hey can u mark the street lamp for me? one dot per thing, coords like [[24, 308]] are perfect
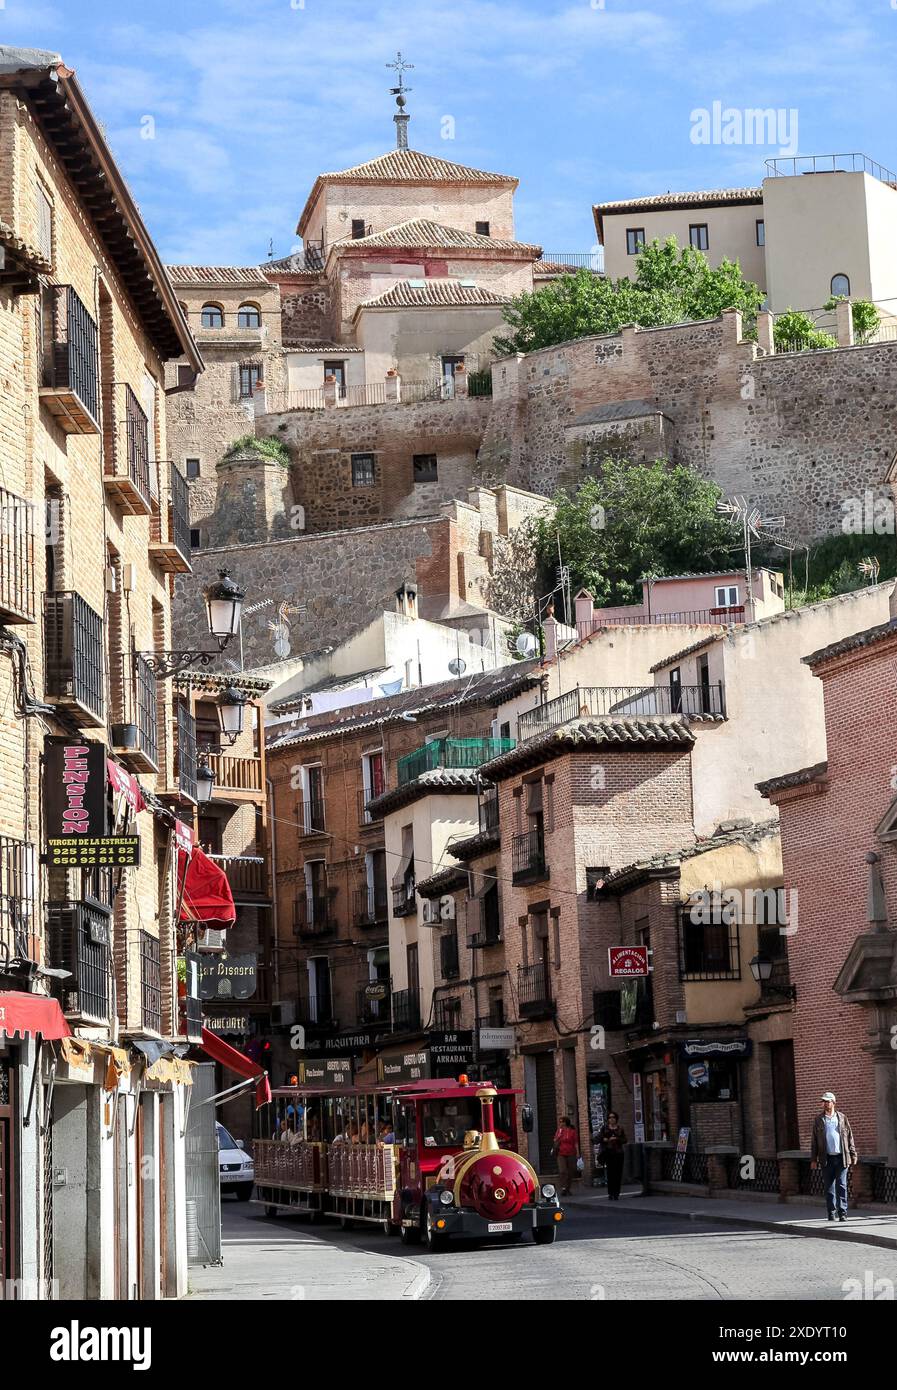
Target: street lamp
[[205, 783], [224, 605], [231, 710], [761, 969]]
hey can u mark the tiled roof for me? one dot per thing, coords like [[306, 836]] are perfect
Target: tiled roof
[[35, 259], [578, 734], [442, 881], [216, 275], [213, 680], [438, 779], [441, 294], [303, 345], [472, 845], [868, 638], [404, 166], [294, 264], [738, 832], [422, 232], [489, 687], [801, 778], [687, 651], [703, 197]]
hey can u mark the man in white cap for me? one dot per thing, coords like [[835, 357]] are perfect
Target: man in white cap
[[832, 1141]]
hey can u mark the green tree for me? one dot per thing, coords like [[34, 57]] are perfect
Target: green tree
[[672, 285], [864, 316], [795, 331], [631, 520]]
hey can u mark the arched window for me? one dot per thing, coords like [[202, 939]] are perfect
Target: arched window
[[249, 316], [841, 284], [212, 316]]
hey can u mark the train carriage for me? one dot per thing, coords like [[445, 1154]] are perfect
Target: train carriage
[[431, 1159]]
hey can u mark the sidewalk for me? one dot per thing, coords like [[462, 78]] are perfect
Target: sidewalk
[[862, 1225], [286, 1260]]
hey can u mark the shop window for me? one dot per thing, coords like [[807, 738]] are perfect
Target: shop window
[[712, 1079]]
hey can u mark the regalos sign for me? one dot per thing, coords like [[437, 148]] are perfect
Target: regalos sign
[[627, 962]]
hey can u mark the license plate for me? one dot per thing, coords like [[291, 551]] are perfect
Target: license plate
[[500, 1226]]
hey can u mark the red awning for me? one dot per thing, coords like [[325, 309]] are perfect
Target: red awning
[[25, 1015], [207, 896], [237, 1062], [125, 785]]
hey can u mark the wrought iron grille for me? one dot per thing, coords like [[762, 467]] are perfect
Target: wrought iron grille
[[448, 956], [73, 663], [370, 906], [884, 1184], [73, 361], [145, 694], [488, 810], [18, 897], [533, 986], [622, 701], [528, 853], [16, 558], [811, 1181], [765, 1179], [406, 1009], [708, 950], [180, 513], [138, 444], [694, 1169], [78, 941], [150, 982], [186, 750]]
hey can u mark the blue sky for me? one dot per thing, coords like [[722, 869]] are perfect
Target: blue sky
[[583, 100]]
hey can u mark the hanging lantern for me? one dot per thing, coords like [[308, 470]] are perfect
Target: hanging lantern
[[224, 606], [231, 713], [205, 783]]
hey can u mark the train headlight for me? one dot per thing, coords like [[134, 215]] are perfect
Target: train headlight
[[446, 1198], [549, 1190]]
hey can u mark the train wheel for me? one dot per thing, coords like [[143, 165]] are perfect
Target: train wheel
[[346, 1223], [270, 1211], [387, 1226], [409, 1235], [544, 1235]]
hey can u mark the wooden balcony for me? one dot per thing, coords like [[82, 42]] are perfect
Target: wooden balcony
[[236, 779], [247, 875]]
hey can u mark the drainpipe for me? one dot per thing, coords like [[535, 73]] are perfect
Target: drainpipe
[[272, 840]]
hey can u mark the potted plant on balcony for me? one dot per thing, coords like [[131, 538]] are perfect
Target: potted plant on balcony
[[125, 737]]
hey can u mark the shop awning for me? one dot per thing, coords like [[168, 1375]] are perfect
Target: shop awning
[[26, 1015], [125, 785], [207, 895], [237, 1062]]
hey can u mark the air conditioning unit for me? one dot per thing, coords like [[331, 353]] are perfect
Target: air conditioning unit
[[283, 1013], [431, 914], [211, 939]]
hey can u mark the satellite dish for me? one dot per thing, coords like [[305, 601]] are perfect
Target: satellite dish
[[526, 644], [457, 666], [281, 647]]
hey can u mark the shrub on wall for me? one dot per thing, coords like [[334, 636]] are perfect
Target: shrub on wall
[[267, 448]]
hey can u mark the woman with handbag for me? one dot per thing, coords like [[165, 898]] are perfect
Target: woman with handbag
[[566, 1147], [611, 1140]]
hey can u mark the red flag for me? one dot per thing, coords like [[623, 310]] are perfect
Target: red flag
[[207, 896], [235, 1061]]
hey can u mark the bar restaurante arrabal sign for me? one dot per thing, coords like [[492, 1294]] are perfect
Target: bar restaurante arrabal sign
[[75, 808]]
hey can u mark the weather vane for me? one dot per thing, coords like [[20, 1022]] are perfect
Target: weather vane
[[401, 117]]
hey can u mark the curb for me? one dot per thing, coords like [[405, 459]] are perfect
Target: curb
[[852, 1236], [421, 1280]]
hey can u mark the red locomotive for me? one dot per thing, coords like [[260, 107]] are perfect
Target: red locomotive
[[429, 1159]]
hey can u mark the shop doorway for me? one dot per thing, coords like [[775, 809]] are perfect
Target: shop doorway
[[546, 1109]]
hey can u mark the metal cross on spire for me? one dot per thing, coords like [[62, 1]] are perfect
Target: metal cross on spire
[[401, 117]]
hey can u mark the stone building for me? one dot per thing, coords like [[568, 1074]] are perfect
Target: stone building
[[94, 525], [837, 823]]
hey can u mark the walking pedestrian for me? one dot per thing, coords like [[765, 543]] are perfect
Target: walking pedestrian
[[832, 1141], [611, 1141], [566, 1147]]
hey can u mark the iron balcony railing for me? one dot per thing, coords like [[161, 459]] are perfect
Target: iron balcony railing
[[623, 702], [528, 855], [311, 817], [247, 874], [370, 907], [312, 915], [315, 1010], [534, 988], [449, 963], [450, 752], [405, 1012], [72, 360], [724, 616], [573, 260], [147, 709], [73, 654], [854, 163], [369, 1010], [190, 1004], [366, 817], [708, 950], [488, 809], [17, 603], [404, 899], [150, 982], [78, 940], [179, 514], [138, 445], [446, 1014], [18, 900], [186, 751]]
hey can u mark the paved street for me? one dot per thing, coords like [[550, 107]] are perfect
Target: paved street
[[616, 1254]]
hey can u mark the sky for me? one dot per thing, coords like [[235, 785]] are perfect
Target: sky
[[222, 112]]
